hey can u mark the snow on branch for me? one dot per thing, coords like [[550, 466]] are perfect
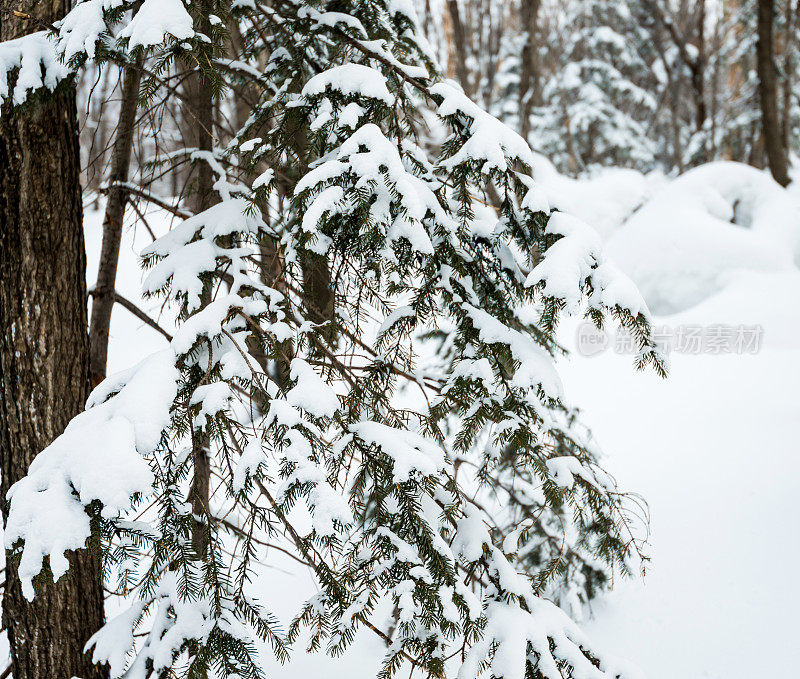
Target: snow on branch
[[328, 198], [101, 456], [38, 62]]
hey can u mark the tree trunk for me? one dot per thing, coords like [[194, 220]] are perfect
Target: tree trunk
[[459, 55], [103, 298], [202, 199], [428, 27], [768, 94], [200, 101], [529, 85], [698, 72], [318, 292], [44, 356], [715, 89], [789, 68]]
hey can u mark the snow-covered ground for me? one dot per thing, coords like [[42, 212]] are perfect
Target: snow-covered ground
[[713, 448]]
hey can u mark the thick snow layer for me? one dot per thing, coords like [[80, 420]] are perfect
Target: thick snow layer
[[713, 449], [39, 66], [681, 246], [100, 456], [410, 452], [80, 30], [155, 20], [352, 79], [604, 201], [311, 393]]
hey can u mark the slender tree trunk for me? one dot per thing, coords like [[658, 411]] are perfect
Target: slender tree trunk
[[789, 69], [94, 137], [428, 27], [529, 84], [677, 144], [715, 88], [201, 104], [103, 298], [698, 72], [318, 292], [460, 50], [44, 355], [203, 196], [768, 94]]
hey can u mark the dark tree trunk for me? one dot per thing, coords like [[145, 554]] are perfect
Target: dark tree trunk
[[529, 93], [789, 69], [103, 297], [716, 46], [768, 94], [202, 199], [698, 71], [318, 292], [459, 47], [200, 101], [428, 27], [44, 357]]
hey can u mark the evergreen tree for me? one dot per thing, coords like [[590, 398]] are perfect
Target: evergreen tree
[[599, 103], [328, 169], [738, 127]]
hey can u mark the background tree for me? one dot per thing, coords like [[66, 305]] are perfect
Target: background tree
[[768, 94], [694, 61], [598, 105]]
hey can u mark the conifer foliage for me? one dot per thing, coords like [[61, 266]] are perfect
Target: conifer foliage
[[384, 436], [599, 99]]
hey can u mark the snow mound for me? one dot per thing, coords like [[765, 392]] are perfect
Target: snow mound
[[682, 246], [751, 298], [604, 200]]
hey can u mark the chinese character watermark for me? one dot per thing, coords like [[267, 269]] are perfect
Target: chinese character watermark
[[682, 339]]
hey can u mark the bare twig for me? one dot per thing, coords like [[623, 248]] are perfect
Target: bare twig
[[133, 190], [141, 315]]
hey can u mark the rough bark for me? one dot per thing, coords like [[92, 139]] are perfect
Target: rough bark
[[44, 355], [103, 296], [768, 94], [529, 85]]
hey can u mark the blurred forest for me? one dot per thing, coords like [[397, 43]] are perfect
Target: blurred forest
[[645, 84]]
